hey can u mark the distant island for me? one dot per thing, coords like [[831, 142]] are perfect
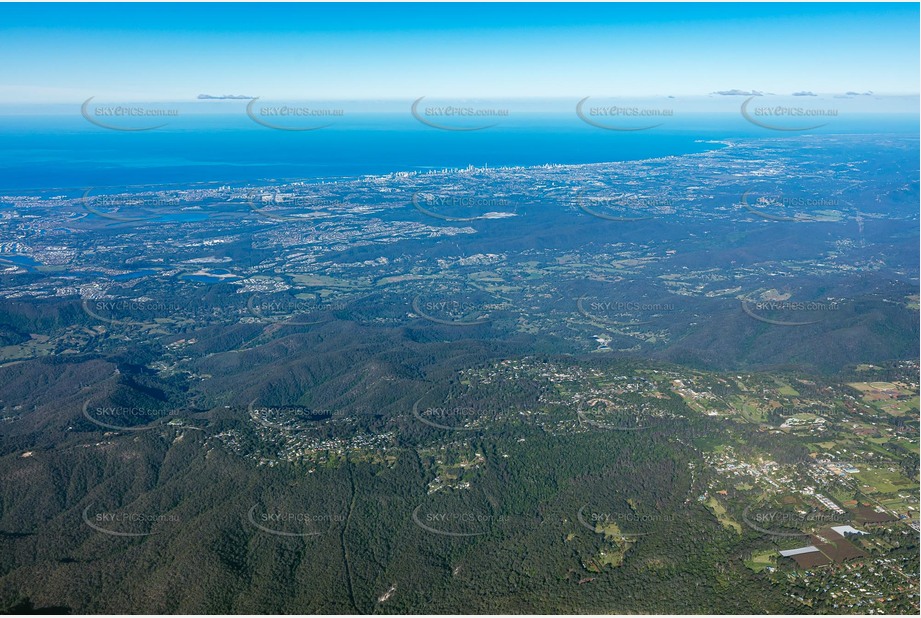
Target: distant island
[[223, 96]]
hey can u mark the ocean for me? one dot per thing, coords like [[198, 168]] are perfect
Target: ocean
[[66, 152]]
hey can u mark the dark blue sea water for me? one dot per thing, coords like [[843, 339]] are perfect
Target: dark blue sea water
[[67, 152]]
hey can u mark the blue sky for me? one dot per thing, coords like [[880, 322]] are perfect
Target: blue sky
[[175, 52]]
